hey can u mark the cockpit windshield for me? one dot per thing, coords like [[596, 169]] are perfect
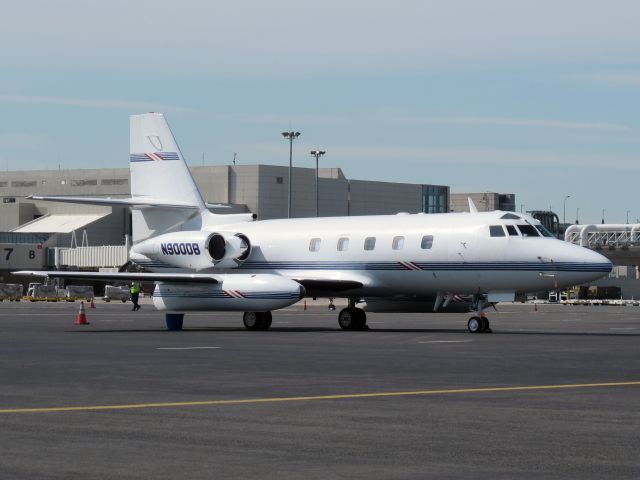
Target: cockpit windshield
[[544, 231], [528, 230]]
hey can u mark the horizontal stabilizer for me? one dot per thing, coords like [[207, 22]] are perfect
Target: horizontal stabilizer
[[117, 202], [123, 276]]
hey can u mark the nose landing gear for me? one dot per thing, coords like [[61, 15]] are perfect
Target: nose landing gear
[[479, 323]]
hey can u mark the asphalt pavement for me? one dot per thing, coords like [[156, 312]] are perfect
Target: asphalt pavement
[[553, 393]]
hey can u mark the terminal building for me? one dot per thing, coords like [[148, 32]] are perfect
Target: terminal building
[[261, 189]]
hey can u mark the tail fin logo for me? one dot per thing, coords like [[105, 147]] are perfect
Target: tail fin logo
[[155, 141], [153, 157]]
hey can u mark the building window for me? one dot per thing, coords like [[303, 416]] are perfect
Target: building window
[[84, 183], [314, 245], [279, 180], [427, 242], [343, 244], [496, 231], [4, 184], [370, 243], [398, 243], [24, 183], [114, 181], [9, 200], [435, 199]]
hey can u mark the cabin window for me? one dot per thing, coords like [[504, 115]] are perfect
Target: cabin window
[[427, 242], [512, 231], [343, 244], [398, 243], [314, 245], [528, 231], [370, 243], [510, 216], [496, 231]]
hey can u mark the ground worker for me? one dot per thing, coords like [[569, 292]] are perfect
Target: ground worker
[[135, 294]]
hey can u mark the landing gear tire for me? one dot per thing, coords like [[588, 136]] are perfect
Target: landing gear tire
[[352, 319], [251, 320], [257, 320], [485, 325], [475, 325], [266, 321], [361, 319], [478, 325]]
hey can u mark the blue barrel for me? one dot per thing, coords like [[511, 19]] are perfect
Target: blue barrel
[[174, 321]]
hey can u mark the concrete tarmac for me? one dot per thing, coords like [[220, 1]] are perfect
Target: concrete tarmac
[[217, 401]]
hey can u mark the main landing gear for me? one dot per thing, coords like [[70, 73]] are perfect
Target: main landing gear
[[257, 320], [479, 324], [352, 318]]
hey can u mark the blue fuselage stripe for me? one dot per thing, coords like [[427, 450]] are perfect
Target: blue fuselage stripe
[[414, 266]]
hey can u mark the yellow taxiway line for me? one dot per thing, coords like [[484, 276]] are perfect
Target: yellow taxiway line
[[346, 396]]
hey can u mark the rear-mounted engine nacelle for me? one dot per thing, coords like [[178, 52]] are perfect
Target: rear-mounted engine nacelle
[[192, 250], [228, 250]]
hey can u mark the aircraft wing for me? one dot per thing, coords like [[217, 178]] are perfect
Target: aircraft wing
[[124, 276]]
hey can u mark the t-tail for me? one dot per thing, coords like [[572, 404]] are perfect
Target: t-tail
[[158, 169], [159, 174], [160, 178], [164, 195]]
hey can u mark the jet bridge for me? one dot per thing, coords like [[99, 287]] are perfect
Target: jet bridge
[[618, 242]]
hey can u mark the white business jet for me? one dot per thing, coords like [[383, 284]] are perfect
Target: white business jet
[[200, 260]]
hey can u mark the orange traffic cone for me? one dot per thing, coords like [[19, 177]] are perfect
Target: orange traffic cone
[[305, 304], [81, 319], [92, 305]]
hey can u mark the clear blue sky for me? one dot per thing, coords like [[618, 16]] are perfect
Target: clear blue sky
[[540, 98]]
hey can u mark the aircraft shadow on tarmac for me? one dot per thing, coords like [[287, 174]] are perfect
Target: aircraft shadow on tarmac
[[370, 331]]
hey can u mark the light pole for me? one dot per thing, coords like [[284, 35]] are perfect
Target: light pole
[[564, 209], [317, 154], [291, 136], [603, 216], [628, 215]]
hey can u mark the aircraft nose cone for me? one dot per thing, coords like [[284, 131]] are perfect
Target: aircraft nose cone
[[592, 263], [597, 258]]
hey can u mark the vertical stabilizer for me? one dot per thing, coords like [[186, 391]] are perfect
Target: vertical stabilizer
[[160, 173], [158, 169]]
